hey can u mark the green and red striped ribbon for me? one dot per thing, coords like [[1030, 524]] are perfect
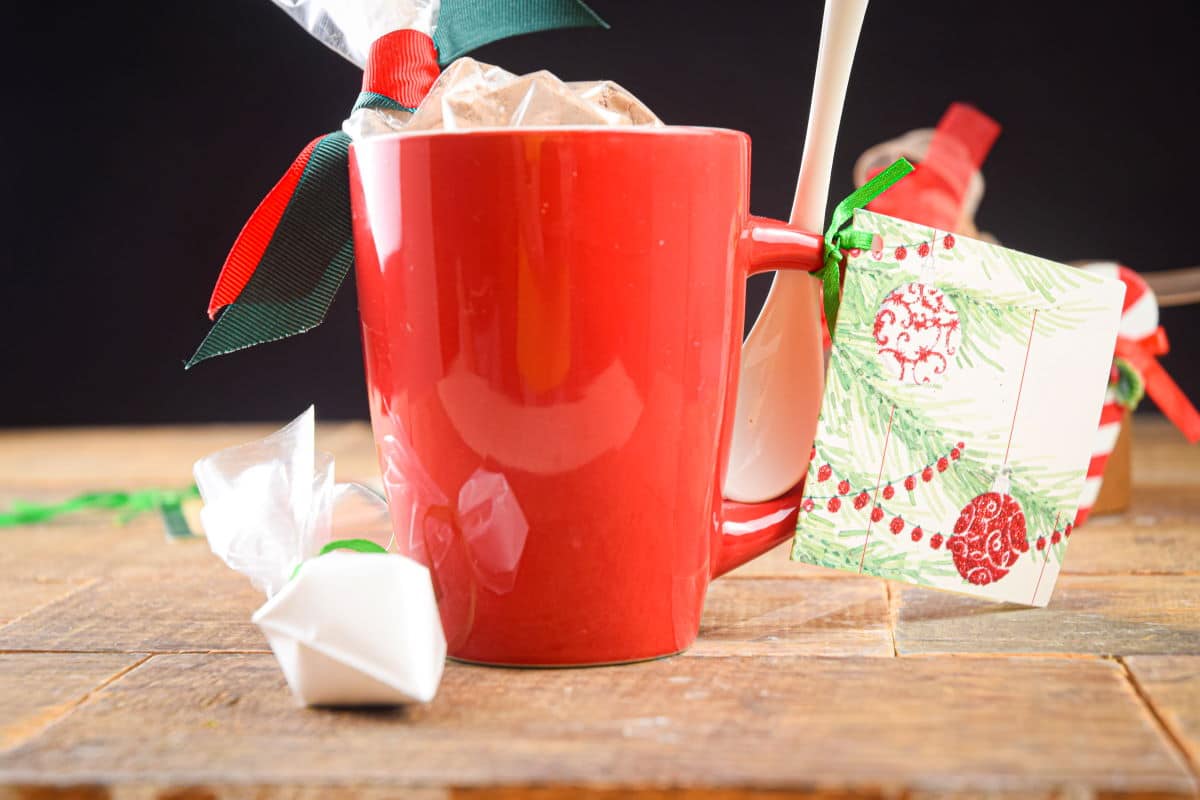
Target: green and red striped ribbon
[[292, 255]]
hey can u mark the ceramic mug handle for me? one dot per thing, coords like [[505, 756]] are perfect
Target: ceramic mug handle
[[750, 529]]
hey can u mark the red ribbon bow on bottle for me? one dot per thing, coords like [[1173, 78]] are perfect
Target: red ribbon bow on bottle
[[1140, 340]]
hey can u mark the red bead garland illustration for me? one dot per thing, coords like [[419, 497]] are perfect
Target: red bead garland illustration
[[860, 496], [988, 538]]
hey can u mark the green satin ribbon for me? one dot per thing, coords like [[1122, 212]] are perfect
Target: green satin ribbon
[[464, 25], [839, 237], [1131, 386], [168, 502], [357, 545]]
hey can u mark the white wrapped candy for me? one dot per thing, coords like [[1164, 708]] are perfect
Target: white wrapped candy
[[347, 628], [357, 629]]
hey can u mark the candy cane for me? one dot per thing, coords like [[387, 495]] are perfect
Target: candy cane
[[1139, 320]]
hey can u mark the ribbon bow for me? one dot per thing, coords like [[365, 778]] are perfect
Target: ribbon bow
[[839, 237], [1142, 354], [292, 255]]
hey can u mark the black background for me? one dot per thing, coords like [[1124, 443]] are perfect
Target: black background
[[139, 136]]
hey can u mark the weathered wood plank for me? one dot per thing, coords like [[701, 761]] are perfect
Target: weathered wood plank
[[1161, 456], [929, 724], [95, 546], [1112, 615], [803, 616], [1172, 686], [22, 596], [170, 613], [1156, 536], [38, 688], [81, 459]]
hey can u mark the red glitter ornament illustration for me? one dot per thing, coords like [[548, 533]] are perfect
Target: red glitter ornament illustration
[[917, 333], [989, 536]]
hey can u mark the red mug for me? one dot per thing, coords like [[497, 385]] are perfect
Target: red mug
[[551, 322]]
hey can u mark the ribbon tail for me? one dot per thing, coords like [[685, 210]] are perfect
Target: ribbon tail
[[464, 25], [1167, 395], [256, 234], [304, 262]]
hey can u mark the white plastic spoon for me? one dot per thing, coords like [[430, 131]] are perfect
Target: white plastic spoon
[[779, 394]]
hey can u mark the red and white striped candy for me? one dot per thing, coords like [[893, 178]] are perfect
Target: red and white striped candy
[[1139, 319]]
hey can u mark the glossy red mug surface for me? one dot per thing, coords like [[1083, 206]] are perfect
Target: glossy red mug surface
[[552, 323]]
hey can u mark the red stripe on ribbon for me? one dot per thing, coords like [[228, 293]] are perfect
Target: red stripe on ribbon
[[402, 65], [1135, 286], [1111, 413], [1165, 393], [1097, 464], [256, 234]]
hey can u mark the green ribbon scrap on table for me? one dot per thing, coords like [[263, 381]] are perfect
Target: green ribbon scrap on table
[[167, 502], [839, 236]]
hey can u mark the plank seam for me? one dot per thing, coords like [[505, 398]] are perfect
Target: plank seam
[[56, 714], [1160, 721]]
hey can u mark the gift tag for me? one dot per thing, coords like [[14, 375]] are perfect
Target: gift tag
[[964, 389]]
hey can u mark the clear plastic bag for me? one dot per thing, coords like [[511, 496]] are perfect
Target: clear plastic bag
[[471, 94]]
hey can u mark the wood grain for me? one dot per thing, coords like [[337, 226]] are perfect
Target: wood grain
[[21, 596], [135, 457], [771, 722], [809, 616], [38, 688], [94, 546], [1157, 536], [791, 686], [1172, 685], [1112, 615], [172, 613], [1161, 456]]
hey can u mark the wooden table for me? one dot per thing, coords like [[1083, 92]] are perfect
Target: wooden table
[[129, 668]]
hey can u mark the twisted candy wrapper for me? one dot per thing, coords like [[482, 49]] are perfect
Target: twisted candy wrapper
[[348, 627]]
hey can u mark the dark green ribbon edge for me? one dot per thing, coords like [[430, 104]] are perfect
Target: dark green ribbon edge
[[302, 267], [312, 248], [464, 25]]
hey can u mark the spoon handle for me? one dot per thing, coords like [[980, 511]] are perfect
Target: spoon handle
[[839, 39]]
